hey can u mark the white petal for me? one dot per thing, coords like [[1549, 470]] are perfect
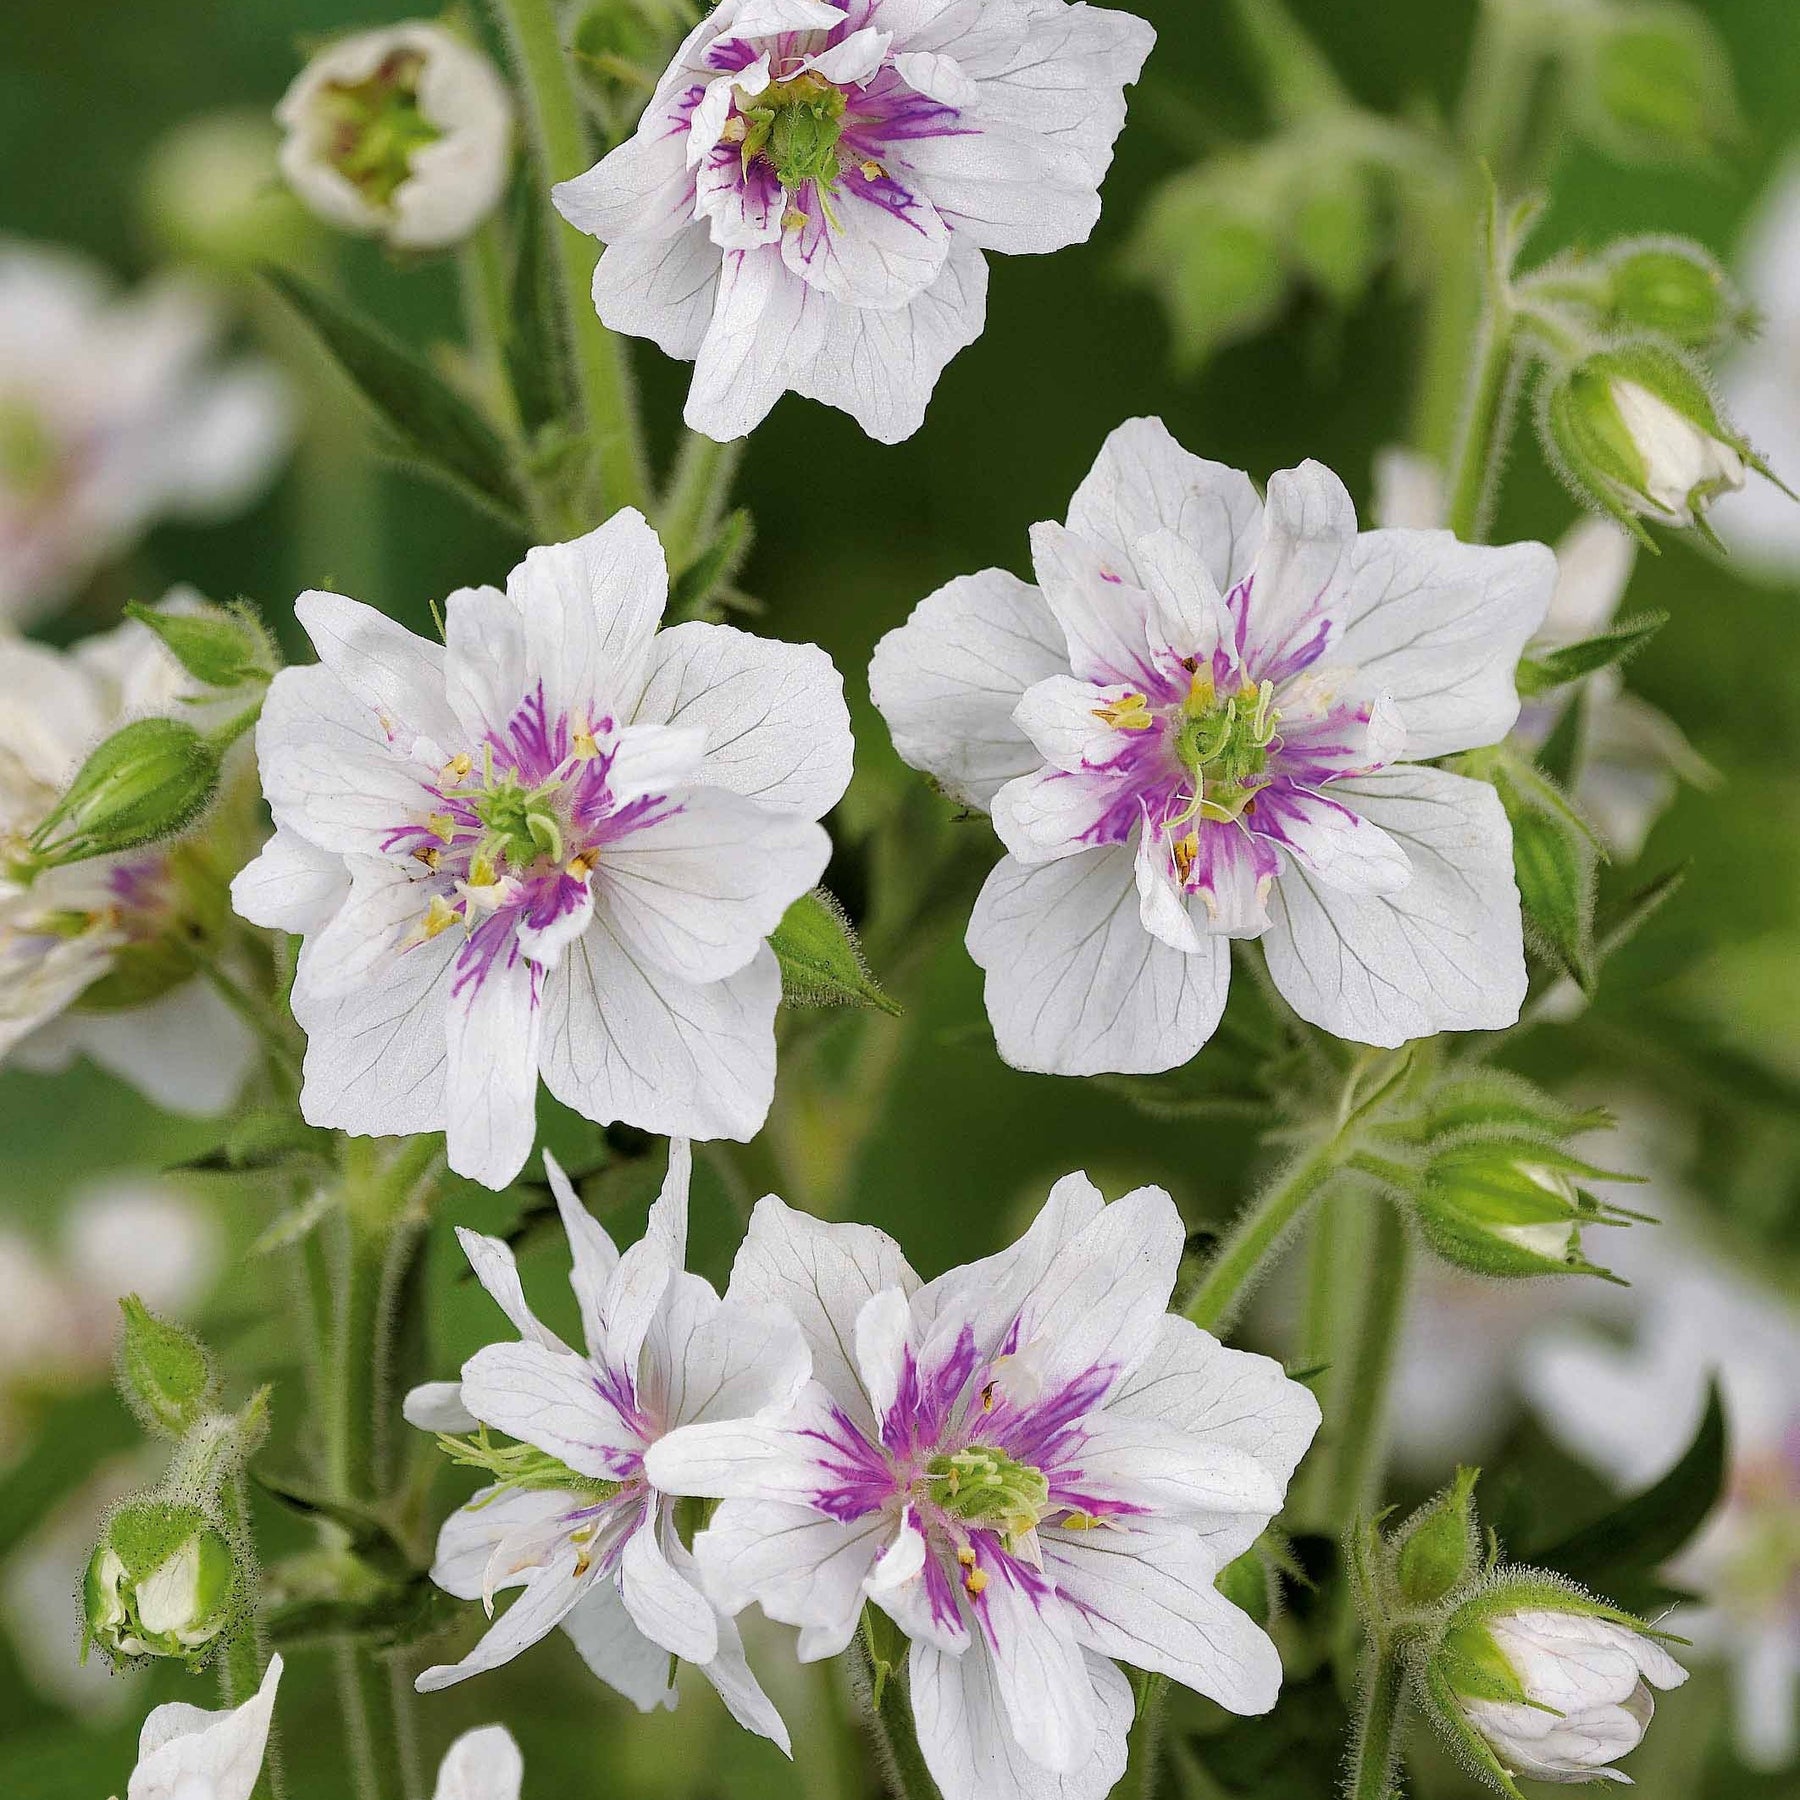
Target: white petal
[[1105, 617], [632, 1298], [969, 1746], [466, 1540], [1172, 1472], [661, 288], [1145, 483], [292, 885], [1146, 1596], [623, 1040], [491, 1073], [636, 190], [437, 1406], [1441, 625], [1075, 984], [188, 1050], [948, 681], [729, 1673], [766, 327], [664, 1607], [1594, 560], [777, 729], [550, 1400], [370, 931], [484, 662], [536, 1613], [1001, 189], [709, 1359], [1444, 953], [801, 1568], [183, 1750], [882, 1328], [481, 1765], [696, 893], [1189, 617], [492, 1260], [611, 1645], [593, 1255], [1040, 1672], [1308, 529], [1054, 813], [590, 609], [1062, 717], [823, 1274], [881, 245], [1347, 852], [399, 676]]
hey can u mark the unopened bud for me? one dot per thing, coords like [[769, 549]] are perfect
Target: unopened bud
[[1673, 289], [1656, 84], [1511, 1207], [219, 648], [1438, 1548], [1636, 431], [213, 195], [165, 1373], [162, 1582], [148, 781]]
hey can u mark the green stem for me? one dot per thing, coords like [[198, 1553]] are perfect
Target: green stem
[[278, 1050], [1372, 1759], [245, 1657], [698, 490], [1143, 1750], [1357, 1449], [559, 139], [1256, 1235], [902, 1761], [1481, 442], [481, 272]]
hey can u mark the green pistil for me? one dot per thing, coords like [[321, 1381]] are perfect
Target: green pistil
[[1224, 745], [377, 127], [521, 1467], [520, 825], [795, 126], [984, 1486]]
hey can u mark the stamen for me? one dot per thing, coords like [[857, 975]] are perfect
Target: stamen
[[438, 918], [457, 769], [1132, 713], [442, 826], [975, 1580]]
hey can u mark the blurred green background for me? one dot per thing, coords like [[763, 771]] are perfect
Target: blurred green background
[[1700, 1013]]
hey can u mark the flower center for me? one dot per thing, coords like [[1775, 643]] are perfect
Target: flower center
[[376, 126], [1224, 744], [794, 126], [984, 1487]]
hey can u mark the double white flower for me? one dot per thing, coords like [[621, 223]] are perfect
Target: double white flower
[[559, 843], [114, 414], [581, 1526], [807, 201], [1028, 1464], [1213, 719]]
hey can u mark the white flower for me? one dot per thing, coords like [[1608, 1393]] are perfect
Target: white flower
[[403, 133], [1198, 728], [1028, 1464], [560, 843], [1684, 466], [95, 957], [1761, 385], [807, 201], [186, 1753], [112, 416], [1632, 755], [1631, 1408], [1585, 1683], [574, 1520]]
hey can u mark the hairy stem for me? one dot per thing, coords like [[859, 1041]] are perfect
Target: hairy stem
[[902, 1761], [481, 273], [1480, 454], [1143, 1749], [698, 490], [1375, 1745], [559, 140], [245, 1657]]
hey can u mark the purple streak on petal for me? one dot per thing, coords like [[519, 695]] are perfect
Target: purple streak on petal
[[860, 1479], [1298, 651], [940, 1591], [1046, 1429], [925, 1401], [731, 55], [887, 111], [1326, 747], [493, 943], [998, 1565], [532, 746], [139, 884], [550, 898]]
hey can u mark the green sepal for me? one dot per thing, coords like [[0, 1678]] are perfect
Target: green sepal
[[431, 425], [822, 962], [886, 1646], [165, 1374], [1439, 1548], [221, 647], [1557, 668]]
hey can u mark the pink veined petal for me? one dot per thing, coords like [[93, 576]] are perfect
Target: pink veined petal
[[874, 241], [1232, 875], [1346, 851]]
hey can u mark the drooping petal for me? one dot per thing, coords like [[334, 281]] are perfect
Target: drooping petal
[[491, 1073], [624, 1040], [1440, 626], [731, 1678], [949, 680], [1146, 1596], [665, 1607], [823, 1275], [609, 1642], [437, 1406], [551, 1400], [467, 1538], [491, 1259], [777, 730], [545, 1603], [1075, 985], [184, 1749], [1145, 483], [593, 1255], [1444, 953]]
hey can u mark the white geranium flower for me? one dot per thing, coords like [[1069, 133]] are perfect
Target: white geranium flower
[[807, 201], [559, 844], [1630, 1406], [1761, 386], [574, 1520], [95, 957], [1029, 1464], [113, 414], [187, 1753], [1211, 720], [1584, 1686], [404, 133], [1633, 756]]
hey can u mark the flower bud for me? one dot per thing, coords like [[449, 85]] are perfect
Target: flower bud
[[149, 780], [212, 195], [1547, 1683], [1655, 83], [403, 134], [1510, 1207], [1439, 1547], [165, 1374], [219, 647], [162, 1582], [1671, 288], [1636, 432]]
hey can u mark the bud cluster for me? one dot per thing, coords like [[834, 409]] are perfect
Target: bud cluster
[[1523, 1672]]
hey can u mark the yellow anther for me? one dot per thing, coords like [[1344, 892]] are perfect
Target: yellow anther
[[457, 769], [582, 866], [1082, 1521], [975, 1580], [987, 1397], [1187, 853], [966, 1557], [442, 826], [583, 741], [872, 170], [734, 130], [481, 873], [1130, 714], [794, 219], [438, 917], [429, 855]]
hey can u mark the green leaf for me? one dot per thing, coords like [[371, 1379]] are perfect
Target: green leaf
[[370, 1536], [431, 424], [716, 565], [821, 961], [886, 1645], [1556, 668], [1617, 924], [1560, 754], [536, 357], [1618, 1556]]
